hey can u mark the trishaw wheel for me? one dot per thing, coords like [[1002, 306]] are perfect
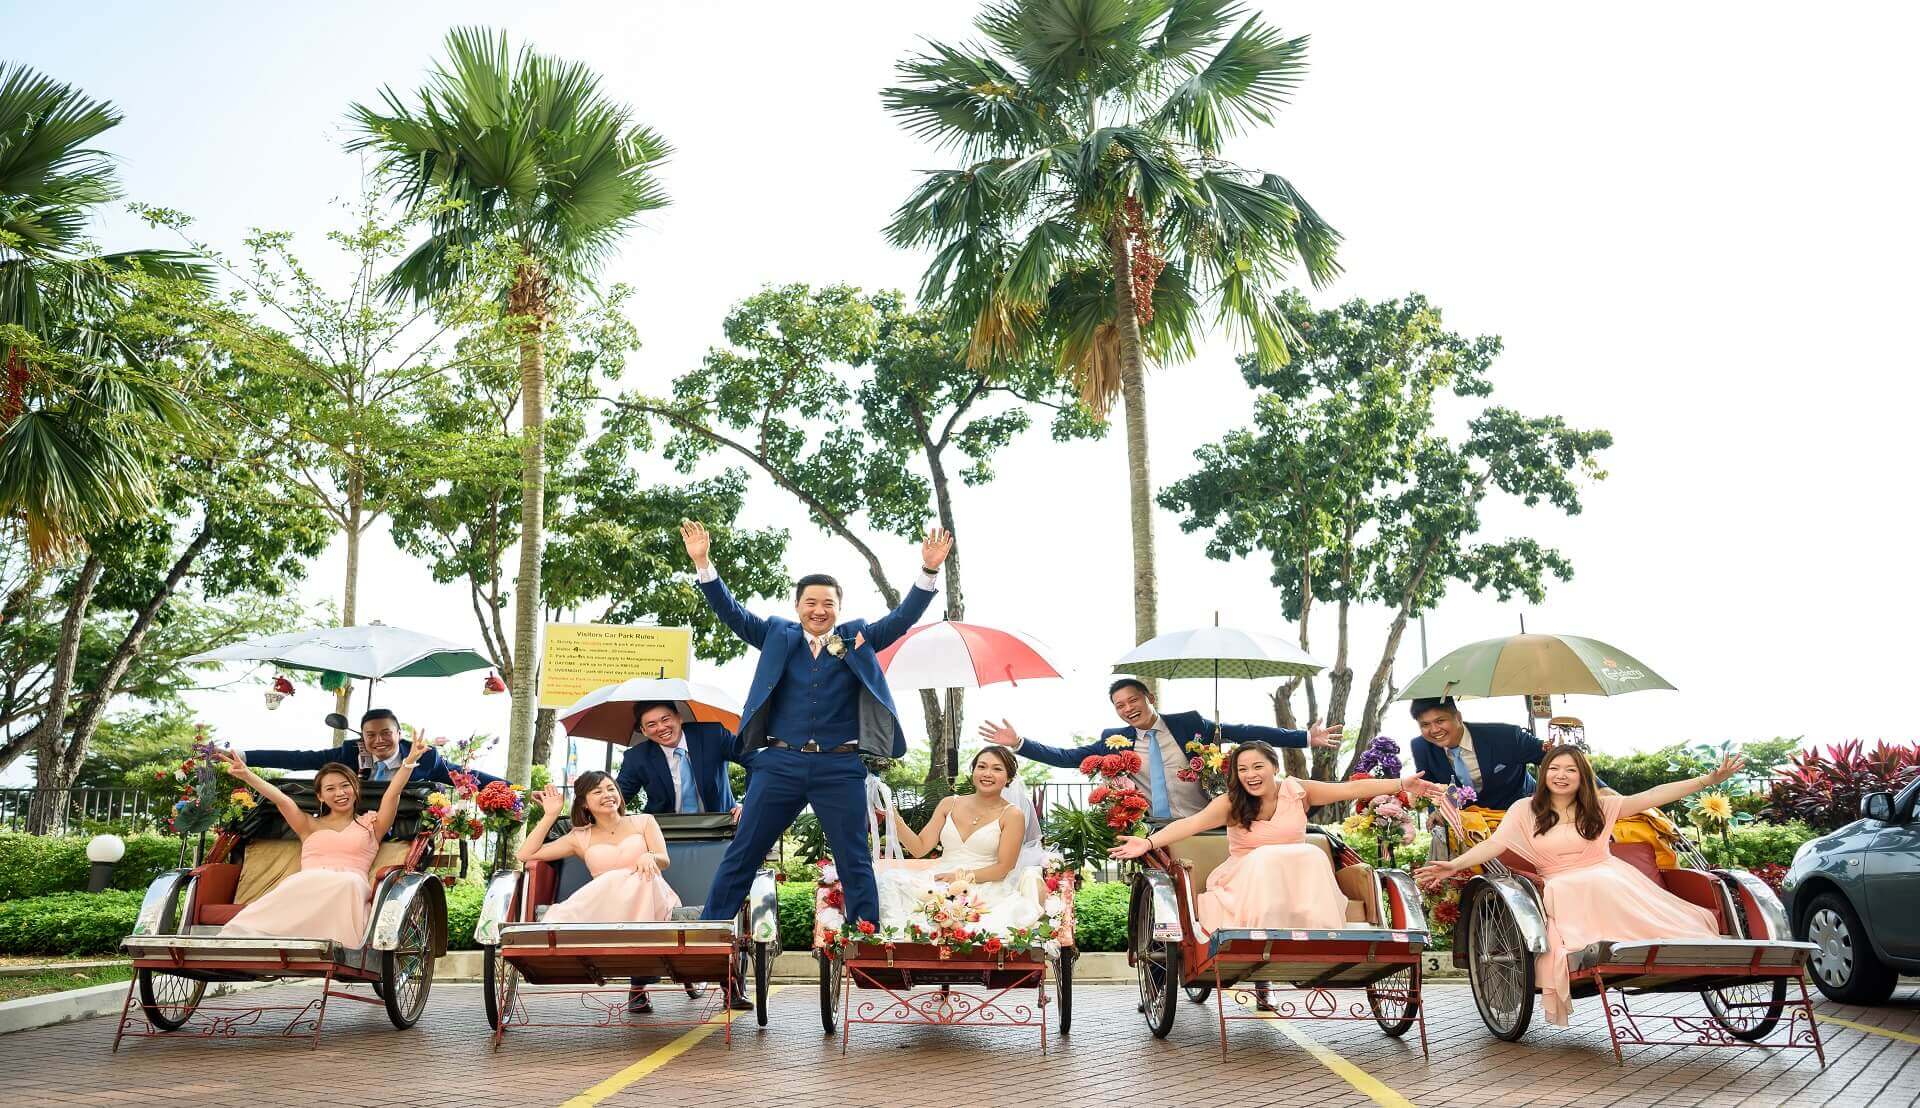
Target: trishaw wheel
[[1393, 1003], [406, 971], [1063, 980], [1156, 965], [168, 1000], [1499, 968], [829, 993], [1199, 993], [1751, 1011], [762, 979], [490, 967]]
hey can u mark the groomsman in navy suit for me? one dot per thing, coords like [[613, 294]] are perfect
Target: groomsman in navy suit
[[1492, 758], [1161, 741], [817, 704], [376, 754], [679, 766]]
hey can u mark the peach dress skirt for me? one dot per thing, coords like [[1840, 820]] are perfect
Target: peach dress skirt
[[326, 899], [617, 893], [1272, 877]]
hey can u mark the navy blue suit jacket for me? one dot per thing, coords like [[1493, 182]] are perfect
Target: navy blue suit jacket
[[1181, 726], [710, 747], [1504, 753], [431, 766], [880, 732]]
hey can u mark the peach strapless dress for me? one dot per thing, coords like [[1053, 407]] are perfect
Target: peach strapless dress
[[326, 899], [1272, 877], [1592, 896], [617, 893]]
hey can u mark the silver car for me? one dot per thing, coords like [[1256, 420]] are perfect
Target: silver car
[[1855, 893]]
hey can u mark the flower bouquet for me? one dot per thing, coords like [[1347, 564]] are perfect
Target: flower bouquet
[[452, 813], [1116, 796], [209, 797], [503, 808], [1387, 819], [1206, 765]]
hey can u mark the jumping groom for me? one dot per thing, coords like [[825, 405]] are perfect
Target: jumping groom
[[818, 702]]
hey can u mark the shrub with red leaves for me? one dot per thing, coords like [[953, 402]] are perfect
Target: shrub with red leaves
[[1824, 788]]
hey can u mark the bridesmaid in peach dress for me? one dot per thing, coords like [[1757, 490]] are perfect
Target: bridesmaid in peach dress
[[1272, 877], [1566, 832], [625, 853], [327, 898]]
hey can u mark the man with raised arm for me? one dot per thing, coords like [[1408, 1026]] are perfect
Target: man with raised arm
[[817, 704]]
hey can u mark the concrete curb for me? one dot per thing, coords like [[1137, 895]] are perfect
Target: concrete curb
[[82, 1004]]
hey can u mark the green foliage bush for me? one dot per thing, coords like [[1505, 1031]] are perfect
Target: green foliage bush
[[68, 923], [796, 915], [36, 865], [1756, 844], [463, 914]]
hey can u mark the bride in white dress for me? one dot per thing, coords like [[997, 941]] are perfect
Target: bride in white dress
[[987, 848]]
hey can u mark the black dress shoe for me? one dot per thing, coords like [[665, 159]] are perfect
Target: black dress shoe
[[1262, 1002], [639, 1004], [739, 1002]]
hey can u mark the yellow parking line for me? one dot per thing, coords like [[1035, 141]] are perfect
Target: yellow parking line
[[650, 1063], [1374, 1088], [1869, 1028]]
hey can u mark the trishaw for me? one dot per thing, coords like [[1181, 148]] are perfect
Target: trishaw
[[1378, 954], [177, 952], [1742, 978], [525, 959], [932, 982]]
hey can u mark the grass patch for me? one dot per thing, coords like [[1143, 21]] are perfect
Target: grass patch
[[60, 980]]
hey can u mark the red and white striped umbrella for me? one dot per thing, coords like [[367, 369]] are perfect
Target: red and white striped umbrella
[[949, 655]]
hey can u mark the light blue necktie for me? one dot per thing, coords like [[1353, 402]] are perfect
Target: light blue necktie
[[1156, 777], [379, 772], [689, 792], [1461, 774]]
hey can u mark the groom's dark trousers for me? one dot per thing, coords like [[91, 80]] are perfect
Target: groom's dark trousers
[[785, 781]]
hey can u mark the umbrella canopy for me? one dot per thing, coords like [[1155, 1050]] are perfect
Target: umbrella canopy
[[1522, 665], [1217, 652], [368, 650], [606, 713], [949, 655]]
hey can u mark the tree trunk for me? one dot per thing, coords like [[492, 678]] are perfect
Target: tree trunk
[[350, 590], [50, 767], [107, 686], [1339, 689], [1378, 689], [943, 761], [529, 304], [1133, 391], [543, 736]]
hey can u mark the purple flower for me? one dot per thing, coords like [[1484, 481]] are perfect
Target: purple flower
[[1381, 758]]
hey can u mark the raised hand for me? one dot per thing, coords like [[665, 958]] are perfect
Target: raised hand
[[415, 752], [550, 801], [935, 550], [1000, 734], [699, 544], [1327, 738], [1730, 765], [235, 761]]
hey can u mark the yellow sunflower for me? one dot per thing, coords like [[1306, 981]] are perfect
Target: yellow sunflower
[[1716, 808]]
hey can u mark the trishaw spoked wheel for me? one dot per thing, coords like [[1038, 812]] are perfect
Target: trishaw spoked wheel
[[1499, 967], [490, 973], [406, 971], [1063, 980], [1751, 1011], [762, 979], [1393, 1003], [1198, 993], [168, 1000], [829, 993]]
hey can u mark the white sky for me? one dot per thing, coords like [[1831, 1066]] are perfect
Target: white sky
[[1691, 224]]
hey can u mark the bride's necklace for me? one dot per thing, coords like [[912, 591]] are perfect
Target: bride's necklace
[[971, 823]]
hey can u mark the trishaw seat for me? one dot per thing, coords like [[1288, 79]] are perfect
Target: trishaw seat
[[1203, 853], [1734, 954]]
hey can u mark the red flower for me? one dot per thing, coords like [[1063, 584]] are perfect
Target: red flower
[[866, 927], [993, 945], [1188, 775], [1099, 794], [1446, 913], [836, 898], [829, 935], [1053, 882], [1090, 765], [1129, 761]]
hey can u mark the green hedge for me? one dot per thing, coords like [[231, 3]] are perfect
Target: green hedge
[[36, 865], [68, 923], [1099, 913], [1755, 844], [463, 914]]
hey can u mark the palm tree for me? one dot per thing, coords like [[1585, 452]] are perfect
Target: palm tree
[[1095, 215], [79, 405], [518, 151]]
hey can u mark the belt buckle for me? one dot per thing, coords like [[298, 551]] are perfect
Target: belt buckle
[[810, 747]]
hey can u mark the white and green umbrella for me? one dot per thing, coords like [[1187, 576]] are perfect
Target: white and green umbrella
[[372, 650], [1529, 665], [1217, 652]]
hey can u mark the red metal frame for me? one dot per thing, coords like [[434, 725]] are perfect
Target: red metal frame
[[935, 1001], [1802, 1030], [225, 1021], [608, 1005]]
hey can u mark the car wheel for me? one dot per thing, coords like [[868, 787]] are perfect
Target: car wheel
[[1843, 963]]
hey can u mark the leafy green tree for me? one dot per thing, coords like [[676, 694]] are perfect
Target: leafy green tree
[[1357, 494], [1094, 214], [866, 413], [524, 163]]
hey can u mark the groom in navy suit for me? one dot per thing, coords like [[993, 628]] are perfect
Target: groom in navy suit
[[681, 767], [1161, 742], [1492, 758], [818, 703]]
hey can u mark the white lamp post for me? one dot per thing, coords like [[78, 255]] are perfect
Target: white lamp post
[[103, 851]]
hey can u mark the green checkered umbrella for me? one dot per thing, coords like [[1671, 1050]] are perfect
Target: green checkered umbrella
[[1523, 665]]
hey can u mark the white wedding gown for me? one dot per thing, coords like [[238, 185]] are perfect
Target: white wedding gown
[[1013, 901]]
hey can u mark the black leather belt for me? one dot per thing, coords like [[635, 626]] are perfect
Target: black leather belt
[[811, 747]]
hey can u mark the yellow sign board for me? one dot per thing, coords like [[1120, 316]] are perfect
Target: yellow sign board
[[580, 657]]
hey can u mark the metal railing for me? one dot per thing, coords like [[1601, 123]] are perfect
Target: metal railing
[[74, 808]]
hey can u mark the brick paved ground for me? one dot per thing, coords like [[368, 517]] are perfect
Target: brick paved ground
[[1109, 1060]]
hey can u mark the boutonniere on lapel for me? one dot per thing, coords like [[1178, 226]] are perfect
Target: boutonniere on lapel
[[837, 646]]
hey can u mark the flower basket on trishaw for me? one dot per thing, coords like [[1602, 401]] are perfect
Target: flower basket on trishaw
[[177, 952], [1743, 978], [530, 968], [1376, 956]]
